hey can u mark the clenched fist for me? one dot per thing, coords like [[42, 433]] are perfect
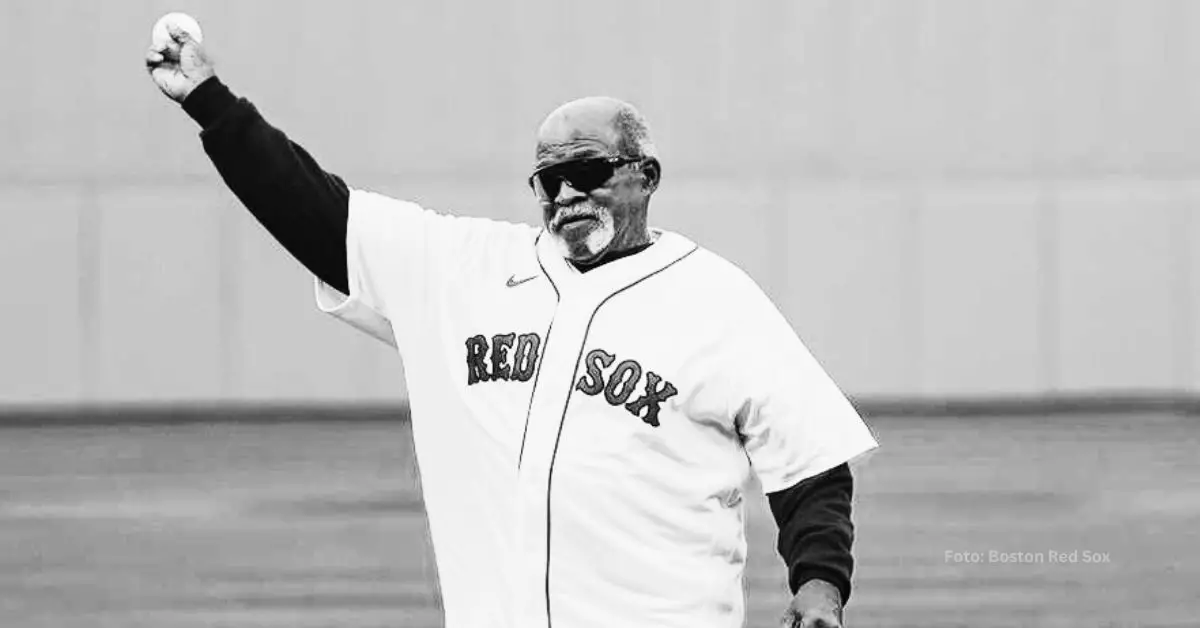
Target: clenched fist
[[179, 65], [817, 604]]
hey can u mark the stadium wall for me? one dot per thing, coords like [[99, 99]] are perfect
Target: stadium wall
[[948, 200]]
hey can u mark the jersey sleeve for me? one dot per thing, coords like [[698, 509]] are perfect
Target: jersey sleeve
[[395, 252], [794, 421], [370, 219]]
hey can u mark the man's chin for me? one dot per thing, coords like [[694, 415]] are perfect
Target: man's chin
[[580, 252], [584, 250]]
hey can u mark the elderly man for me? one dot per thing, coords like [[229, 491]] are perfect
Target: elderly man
[[588, 397]]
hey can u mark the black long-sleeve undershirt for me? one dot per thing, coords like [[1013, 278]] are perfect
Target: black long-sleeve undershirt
[[306, 210], [301, 205], [816, 533]]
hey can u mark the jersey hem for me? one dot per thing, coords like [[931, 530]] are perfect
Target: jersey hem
[[825, 463]]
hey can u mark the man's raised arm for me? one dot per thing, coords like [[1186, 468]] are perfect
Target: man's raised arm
[[301, 205]]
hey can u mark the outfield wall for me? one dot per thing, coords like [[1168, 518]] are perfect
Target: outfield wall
[[946, 198]]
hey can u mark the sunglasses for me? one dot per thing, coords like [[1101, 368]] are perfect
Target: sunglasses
[[584, 175]]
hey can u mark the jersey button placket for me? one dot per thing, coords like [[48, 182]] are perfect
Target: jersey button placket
[[560, 360]]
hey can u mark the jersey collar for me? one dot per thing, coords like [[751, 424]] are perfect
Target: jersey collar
[[612, 276]]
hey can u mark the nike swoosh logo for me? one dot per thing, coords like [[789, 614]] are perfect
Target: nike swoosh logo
[[514, 282]]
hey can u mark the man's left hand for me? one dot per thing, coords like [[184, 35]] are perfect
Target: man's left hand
[[817, 604]]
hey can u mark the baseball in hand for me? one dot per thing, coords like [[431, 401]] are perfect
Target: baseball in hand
[[160, 36]]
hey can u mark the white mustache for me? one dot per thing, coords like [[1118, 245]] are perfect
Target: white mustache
[[564, 216]]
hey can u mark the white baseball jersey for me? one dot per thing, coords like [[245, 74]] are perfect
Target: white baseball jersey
[[583, 438]]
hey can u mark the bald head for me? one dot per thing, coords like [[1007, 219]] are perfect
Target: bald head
[[591, 127]]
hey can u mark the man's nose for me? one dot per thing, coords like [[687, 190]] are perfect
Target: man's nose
[[567, 194]]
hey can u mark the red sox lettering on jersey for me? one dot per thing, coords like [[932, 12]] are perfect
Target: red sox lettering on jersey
[[519, 366], [587, 433], [617, 384]]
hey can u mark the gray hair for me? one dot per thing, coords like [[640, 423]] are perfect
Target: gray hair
[[634, 133]]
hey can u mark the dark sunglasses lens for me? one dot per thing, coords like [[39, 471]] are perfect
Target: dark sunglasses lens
[[584, 175], [546, 185], [587, 175]]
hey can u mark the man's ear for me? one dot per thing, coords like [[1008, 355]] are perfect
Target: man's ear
[[652, 171]]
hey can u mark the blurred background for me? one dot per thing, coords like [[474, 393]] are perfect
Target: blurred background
[[979, 215]]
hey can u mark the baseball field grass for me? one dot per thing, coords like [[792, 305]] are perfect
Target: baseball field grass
[[983, 521]]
